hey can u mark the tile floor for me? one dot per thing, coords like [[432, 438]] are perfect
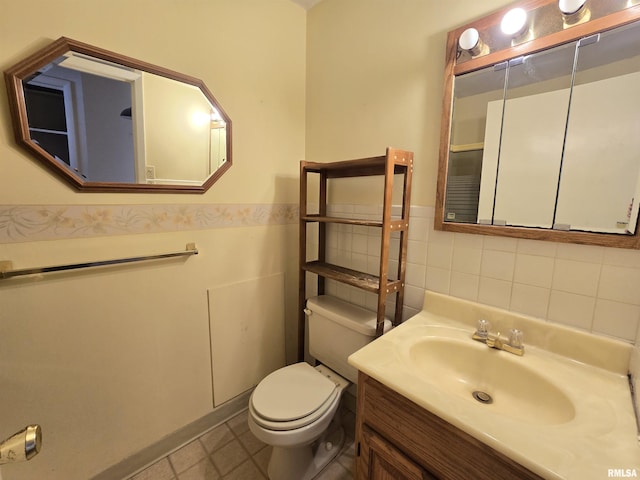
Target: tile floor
[[231, 452]]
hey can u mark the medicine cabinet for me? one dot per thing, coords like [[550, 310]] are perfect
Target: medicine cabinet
[[540, 139]]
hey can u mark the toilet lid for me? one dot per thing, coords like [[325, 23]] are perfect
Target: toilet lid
[[291, 393]]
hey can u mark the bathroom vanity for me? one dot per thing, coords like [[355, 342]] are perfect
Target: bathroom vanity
[[434, 403], [428, 447]]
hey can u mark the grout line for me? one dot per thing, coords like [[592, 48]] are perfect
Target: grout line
[[597, 298], [237, 437], [209, 456], [173, 469], [182, 445], [264, 474]]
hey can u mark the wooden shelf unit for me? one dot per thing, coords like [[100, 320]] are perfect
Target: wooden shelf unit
[[394, 162]]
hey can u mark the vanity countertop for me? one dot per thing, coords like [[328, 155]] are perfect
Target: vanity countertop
[[590, 370]]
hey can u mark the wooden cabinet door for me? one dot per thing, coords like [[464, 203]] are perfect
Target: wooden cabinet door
[[383, 461]]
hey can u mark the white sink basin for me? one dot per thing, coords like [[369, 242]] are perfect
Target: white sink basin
[[501, 381], [563, 410]]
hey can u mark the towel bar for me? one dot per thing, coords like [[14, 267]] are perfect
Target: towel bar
[[6, 272]]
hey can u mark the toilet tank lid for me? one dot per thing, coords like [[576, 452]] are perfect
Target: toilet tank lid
[[351, 316]]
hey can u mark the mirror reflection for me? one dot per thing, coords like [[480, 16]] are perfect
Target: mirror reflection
[[549, 140], [476, 96], [104, 120], [600, 179], [533, 123]]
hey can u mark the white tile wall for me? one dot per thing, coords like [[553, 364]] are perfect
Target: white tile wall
[[596, 289]]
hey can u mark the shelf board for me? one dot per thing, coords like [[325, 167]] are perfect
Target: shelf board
[[394, 225], [348, 221], [361, 167], [468, 147], [365, 281]]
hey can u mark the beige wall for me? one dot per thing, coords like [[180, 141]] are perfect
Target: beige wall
[[109, 361], [172, 132], [122, 354], [251, 55], [375, 79]]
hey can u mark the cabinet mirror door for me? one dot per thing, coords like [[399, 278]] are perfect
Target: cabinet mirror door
[[599, 188], [474, 142], [540, 134], [532, 134]]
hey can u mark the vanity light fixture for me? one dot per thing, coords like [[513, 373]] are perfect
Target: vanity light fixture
[[570, 7], [514, 22], [573, 12], [469, 41]]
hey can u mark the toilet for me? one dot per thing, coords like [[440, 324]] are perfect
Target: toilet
[[294, 408]]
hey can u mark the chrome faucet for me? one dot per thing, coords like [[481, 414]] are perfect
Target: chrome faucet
[[494, 340], [21, 446]]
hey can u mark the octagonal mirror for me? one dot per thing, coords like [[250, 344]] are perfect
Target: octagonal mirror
[[105, 122]]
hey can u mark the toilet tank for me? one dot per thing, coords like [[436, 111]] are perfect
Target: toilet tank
[[336, 330]]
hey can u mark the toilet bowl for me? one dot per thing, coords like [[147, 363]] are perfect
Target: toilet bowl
[[294, 408]]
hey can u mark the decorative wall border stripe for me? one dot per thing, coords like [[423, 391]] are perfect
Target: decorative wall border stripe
[[29, 223]]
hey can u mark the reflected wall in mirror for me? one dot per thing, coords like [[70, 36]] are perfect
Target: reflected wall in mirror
[[539, 137], [106, 122]]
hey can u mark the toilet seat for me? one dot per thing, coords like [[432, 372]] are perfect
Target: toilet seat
[[292, 397]]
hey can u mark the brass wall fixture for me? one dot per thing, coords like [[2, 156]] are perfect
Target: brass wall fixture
[[21, 446], [534, 20]]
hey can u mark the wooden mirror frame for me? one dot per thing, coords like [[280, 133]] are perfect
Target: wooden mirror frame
[[457, 65], [15, 75]]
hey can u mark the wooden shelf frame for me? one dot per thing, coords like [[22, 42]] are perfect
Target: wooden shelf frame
[[394, 162], [365, 281]]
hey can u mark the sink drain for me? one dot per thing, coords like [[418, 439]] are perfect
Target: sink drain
[[482, 397]]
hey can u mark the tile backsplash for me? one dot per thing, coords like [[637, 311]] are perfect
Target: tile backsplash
[[592, 288]]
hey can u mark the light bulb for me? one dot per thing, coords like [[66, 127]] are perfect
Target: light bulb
[[513, 22], [569, 7], [471, 42], [469, 39], [199, 119]]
